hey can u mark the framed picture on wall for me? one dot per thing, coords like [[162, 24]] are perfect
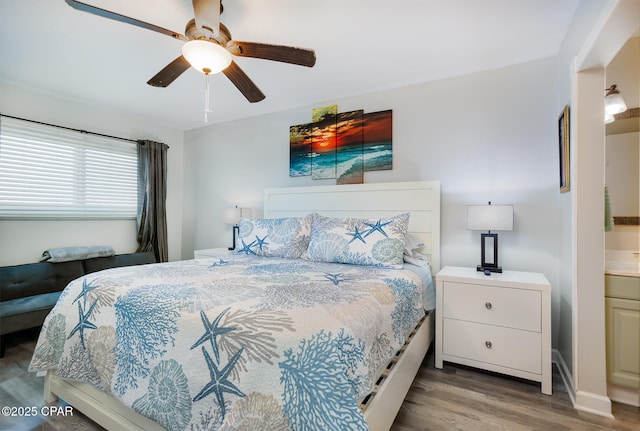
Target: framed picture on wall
[[563, 141]]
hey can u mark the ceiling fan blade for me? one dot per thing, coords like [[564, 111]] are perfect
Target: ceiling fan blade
[[207, 14], [117, 17], [243, 83], [285, 54], [169, 74]]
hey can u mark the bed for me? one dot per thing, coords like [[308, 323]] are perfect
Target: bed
[[305, 343]]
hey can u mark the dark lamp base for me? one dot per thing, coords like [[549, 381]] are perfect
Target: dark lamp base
[[489, 268]]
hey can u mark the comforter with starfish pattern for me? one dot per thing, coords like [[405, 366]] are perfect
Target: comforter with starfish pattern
[[235, 342]]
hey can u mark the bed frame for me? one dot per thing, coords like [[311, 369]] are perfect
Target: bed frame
[[420, 199]]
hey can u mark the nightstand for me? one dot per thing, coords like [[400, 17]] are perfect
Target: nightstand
[[211, 252], [498, 322]]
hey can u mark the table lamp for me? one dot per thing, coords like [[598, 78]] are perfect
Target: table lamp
[[490, 218], [232, 216]]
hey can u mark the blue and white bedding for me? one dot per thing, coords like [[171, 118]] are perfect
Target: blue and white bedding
[[234, 342]]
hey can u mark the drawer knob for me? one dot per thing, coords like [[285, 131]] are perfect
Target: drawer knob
[[488, 305], [488, 344]]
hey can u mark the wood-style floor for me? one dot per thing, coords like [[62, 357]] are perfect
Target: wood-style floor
[[463, 398], [455, 398]]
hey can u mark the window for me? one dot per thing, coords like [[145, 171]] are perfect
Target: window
[[52, 172]]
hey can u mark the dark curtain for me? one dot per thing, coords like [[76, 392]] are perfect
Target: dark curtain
[[152, 197]]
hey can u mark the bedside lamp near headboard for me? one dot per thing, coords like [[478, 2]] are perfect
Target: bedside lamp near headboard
[[489, 218], [232, 216]]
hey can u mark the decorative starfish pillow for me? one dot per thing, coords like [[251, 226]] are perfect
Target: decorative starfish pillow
[[277, 237], [357, 241]]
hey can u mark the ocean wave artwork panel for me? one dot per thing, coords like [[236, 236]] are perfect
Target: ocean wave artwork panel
[[324, 142], [377, 147], [300, 139]]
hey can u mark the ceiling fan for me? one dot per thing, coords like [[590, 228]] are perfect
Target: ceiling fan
[[208, 47]]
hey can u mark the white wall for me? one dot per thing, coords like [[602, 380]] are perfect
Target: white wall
[[586, 15], [486, 136], [23, 241], [622, 176], [622, 173]]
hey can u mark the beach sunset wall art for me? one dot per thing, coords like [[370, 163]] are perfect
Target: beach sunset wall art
[[324, 142], [341, 145], [300, 139], [349, 167], [378, 150]]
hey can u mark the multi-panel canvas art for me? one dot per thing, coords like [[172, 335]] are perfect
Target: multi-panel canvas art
[[341, 145]]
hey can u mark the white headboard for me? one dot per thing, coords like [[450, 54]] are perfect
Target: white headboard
[[421, 199]]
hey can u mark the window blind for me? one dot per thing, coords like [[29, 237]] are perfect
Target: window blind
[[51, 172]]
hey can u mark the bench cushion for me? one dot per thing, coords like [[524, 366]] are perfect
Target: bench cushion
[[20, 281], [23, 313], [45, 301]]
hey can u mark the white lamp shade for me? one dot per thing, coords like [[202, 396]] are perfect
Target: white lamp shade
[[205, 56], [490, 217], [614, 104], [232, 215]]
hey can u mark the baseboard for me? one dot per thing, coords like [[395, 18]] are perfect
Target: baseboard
[[584, 401], [593, 403]]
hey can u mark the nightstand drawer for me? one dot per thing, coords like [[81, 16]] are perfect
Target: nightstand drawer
[[496, 345], [513, 308]]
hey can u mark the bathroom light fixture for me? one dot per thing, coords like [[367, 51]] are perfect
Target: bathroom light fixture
[[608, 118], [613, 101], [489, 217]]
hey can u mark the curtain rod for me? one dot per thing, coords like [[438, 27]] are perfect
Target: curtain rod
[[70, 128]]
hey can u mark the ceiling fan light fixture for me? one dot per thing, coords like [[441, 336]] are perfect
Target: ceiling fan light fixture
[[613, 101], [206, 56]]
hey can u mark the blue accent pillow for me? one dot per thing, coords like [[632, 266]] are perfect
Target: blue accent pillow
[[359, 241], [277, 237]]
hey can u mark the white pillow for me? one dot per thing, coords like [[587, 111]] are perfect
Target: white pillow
[[277, 237], [412, 244], [378, 242]]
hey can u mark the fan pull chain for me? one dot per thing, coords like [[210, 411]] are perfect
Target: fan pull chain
[[206, 98]]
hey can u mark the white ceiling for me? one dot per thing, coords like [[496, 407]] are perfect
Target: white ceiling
[[361, 46]]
